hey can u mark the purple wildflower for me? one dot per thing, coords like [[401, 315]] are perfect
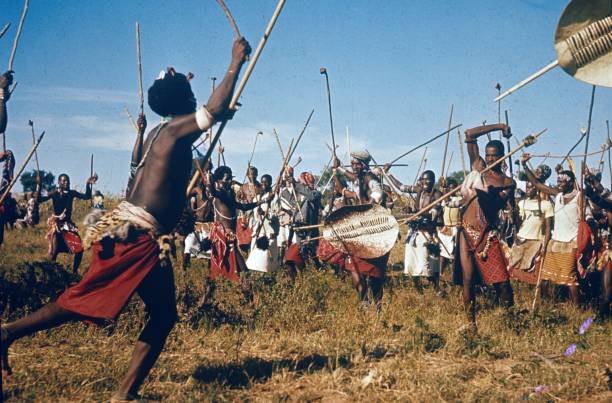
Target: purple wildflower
[[570, 350], [585, 325], [540, 389]]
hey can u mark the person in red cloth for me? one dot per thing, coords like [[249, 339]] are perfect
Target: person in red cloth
[[367, 275], [225, 258], [480, 250], [127, 257], [309, 204], [63, 235]]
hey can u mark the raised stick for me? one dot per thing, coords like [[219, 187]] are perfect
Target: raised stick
[[609, 156], [16, 41], [4, 29], [423, 159], [130, 118], [529, 79], [91, 171], [462, 152], [138, 60], [583, 135], [230, 17], [31, 124], [450, 121], [425, 143], [240, 88], [23, 165], [487, 169]]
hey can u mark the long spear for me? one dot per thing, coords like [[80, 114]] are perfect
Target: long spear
[[16, 41], [31, 124], [526, 142], [450, 121], [240, 88], [138, 60], [425, 143], [23, 165], [4, 29]]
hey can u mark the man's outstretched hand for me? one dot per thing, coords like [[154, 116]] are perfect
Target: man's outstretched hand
[[240, 50], [92, 179], [141, 123]]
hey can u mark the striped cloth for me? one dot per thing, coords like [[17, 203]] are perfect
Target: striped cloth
[[560, 263]]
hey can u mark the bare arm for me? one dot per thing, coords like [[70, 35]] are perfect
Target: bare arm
[[217, 106], [534, 180], [471, 136], [6, 80], [137, 151]]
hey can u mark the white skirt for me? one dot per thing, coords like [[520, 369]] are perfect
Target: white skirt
[[416, 257]]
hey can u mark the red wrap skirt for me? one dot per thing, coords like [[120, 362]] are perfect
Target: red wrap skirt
[[293, 255], [225, 258], [493, 266], [367, 267], [113, 276], [244, 233]]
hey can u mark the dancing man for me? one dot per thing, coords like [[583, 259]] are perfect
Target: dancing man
[[484, 197], [126, 253]]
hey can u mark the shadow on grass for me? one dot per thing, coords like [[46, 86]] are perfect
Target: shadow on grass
[[241, 375]]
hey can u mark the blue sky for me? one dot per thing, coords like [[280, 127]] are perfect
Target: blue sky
[[395, 68]]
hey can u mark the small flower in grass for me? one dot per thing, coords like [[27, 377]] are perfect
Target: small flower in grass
[[570, 350], [540, 389], [585, 325]]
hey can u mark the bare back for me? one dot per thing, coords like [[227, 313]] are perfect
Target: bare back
[[160, 182]]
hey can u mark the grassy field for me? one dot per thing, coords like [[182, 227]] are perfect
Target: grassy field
[[310, 341]]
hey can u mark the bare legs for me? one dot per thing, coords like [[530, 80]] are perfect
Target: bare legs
[[55, 250]]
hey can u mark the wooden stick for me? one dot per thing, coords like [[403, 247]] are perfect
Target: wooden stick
[[16, 41], [23, 165], [418, 173], [4, 29], [586, 151], [425, 143], [130, 118], [450, 121], [583, 134], [450, 160], [458, 188], [91, 171], [138, 60], [278, 143], [554, 156], [300, 136], [609, 157], [31, 124], [462, 153], [230, 17], [539, 282], [529, 79], [241, 86]]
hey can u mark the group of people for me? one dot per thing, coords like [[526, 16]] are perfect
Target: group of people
[[265, 224]]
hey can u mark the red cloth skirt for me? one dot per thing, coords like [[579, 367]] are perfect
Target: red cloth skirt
[[244, 233], [293, 255], [113, 276], [494, 268], [367, 267], [225, 258]]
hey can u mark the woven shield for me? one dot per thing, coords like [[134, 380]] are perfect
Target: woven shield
[[367, 231], [583, 41]]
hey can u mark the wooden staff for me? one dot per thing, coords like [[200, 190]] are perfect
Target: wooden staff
[[423, 159], [4, 29], [605, 147], [16, 41], [583, 171], [138, 60], [539, 282], [252, 154], [230, 17], [450, 121], [582, 136], [609, 157], [91, 171], [130, 118], [31, 124], [425, 143], [462, 153], [300, 136], [528, 141], [240, 88], [20, 171], [450, 160]]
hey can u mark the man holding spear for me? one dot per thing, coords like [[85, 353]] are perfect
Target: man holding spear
[[484, 196], [127, 256]]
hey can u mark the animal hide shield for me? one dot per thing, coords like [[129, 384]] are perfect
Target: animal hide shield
[[367, 231]]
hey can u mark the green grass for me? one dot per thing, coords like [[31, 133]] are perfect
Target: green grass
[[311, 341]]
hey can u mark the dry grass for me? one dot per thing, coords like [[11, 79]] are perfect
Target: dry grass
[[310, 341]]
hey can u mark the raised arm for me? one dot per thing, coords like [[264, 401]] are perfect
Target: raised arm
[[141, 124], [6, 80], [88, 186], [217, 107], [534, 180], [471, 139]]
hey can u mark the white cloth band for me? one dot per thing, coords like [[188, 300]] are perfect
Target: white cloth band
[[203, 118]]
